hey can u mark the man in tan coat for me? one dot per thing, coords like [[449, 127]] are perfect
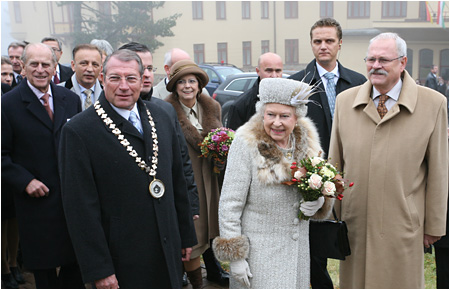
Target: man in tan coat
[[395, 150]]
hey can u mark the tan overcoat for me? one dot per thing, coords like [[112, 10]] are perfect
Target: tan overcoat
[[400, 169], [207, 226]]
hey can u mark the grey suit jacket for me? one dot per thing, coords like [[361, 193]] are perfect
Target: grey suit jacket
[[73, 85]]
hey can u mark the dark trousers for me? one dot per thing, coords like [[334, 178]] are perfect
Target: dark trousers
[[320, 279], [69, 278], [441, 255]]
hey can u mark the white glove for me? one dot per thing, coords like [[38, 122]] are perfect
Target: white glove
[[241, 272], [309, 208]]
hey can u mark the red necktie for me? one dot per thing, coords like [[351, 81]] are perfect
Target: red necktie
[[56, 79], [47, 105]]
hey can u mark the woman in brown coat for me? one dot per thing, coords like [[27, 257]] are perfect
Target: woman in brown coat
[[198, 114]]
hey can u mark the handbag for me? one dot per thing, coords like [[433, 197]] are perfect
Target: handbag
[[328, 238]]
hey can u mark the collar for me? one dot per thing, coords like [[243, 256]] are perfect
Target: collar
[[126, 113], [82, 89], [394, 93], [187, 110], [37, 92], [323, 71]]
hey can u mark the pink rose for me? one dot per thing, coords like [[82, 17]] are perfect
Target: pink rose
[[301, 172], [328, 188], [315, 181]]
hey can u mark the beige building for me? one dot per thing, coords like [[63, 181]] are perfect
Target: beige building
[[238, 32]]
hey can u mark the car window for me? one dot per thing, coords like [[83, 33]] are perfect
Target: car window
[[226, 71], [238, 85], [211, 74]]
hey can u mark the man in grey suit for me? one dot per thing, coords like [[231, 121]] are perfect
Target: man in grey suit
[[87, 65]]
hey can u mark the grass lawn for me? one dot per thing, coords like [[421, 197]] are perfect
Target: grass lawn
[[430, 271]]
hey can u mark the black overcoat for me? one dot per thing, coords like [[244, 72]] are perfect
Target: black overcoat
[[319, 110], [116, 226], [29, 150]]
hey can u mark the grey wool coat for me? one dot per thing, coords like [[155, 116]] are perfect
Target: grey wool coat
[[207, 225], [258, 215]]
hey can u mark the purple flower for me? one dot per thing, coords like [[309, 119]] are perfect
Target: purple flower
[[215, 138], [224, 148]]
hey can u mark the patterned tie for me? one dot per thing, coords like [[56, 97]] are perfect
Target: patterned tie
[[331, 91], [47, 106], [382, 110], [134, 120], [19, 79], [88, 101]]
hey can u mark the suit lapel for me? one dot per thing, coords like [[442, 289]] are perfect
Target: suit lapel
[[59, 108], [147, 128], [323, 97], [34, 106]]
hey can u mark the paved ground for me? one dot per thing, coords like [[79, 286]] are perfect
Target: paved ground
[[206, 284]]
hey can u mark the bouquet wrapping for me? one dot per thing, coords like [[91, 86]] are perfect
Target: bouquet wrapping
[[315, 177], [216, 145]]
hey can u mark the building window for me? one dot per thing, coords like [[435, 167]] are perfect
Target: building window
[[358, 9], [17, 12], [443, 64], [425, 63], [197, 9], [264, 9], [265, 46], [326, 9], [199, 53], [409, 64], [291, 46], [423, 11], [394, 9], [247, 53], [222, 52], [245, 9], [290, 9], [221, 13]]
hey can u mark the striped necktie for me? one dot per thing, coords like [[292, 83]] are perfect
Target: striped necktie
[[331, 91]]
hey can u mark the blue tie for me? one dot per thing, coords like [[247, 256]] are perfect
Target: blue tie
[[331, 91], [134, 120]]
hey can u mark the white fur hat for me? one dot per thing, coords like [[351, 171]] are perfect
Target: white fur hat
[[284, 91]]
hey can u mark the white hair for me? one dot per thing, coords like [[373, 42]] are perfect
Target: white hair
[[401, 44]]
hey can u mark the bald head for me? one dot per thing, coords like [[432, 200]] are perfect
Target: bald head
[[172, 56], [270, 65]]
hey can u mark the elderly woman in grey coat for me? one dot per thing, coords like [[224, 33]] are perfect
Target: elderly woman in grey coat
[[260, 233]]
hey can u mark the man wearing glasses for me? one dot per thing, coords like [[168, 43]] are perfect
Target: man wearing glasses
[[63, 73], [390, 138], [124, 191]]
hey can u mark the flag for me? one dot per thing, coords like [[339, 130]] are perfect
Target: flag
[[440, 14], [429, 17]]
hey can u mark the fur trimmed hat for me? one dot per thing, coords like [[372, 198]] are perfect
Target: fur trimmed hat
[[284, 91], [185, 67]]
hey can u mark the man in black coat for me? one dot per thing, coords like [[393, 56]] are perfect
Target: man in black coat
[[32, 117], [63, 73], [432, 81], [326, 41], [116, 159], [270, 65]]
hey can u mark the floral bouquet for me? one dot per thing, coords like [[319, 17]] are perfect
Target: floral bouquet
[[315, 178], [216, 144]]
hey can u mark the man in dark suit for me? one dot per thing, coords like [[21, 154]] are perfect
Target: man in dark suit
[[15, 50], [124, 191], [32, 117], [326, 41], [63, 73], [432, 81]]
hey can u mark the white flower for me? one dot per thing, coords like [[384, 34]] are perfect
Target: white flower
[[299, 173], [316, 160], [328, 188], [315, 181], [325, 171]]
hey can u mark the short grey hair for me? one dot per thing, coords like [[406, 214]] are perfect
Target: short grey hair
[[25, 52], [104, 45], [52, 39], [16, 44], [124, 55], [401, 44]]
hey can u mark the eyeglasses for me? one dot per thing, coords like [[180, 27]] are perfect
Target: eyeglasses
[[190, 81], [150, 68], [381, 60], [129, 79]]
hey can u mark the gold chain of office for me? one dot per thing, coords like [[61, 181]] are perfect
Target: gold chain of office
[[156, 187]]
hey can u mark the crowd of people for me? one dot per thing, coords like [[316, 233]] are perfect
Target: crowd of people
[[103, 184]]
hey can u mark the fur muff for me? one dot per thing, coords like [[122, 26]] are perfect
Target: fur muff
[[272, 167], [228, 250], [209, 121]]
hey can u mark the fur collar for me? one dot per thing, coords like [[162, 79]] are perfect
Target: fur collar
[[210, 109], [272, 167]]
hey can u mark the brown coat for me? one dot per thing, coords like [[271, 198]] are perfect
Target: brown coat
[[207, 226], [400, 169]]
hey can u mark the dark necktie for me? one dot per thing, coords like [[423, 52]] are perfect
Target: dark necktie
[[19, 79], [382, 110], [47, 105], [56, 79]]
